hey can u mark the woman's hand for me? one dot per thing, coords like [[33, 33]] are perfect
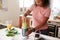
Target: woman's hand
[[29, 31]]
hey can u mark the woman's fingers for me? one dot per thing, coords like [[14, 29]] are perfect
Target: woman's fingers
[[28, 32]]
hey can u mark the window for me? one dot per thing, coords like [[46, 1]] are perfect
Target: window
[[55, 8], [24, 4]]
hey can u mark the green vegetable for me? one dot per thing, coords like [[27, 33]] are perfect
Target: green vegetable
[[10, 34]]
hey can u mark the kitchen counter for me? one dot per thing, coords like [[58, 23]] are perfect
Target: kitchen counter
[[46, 37], [27, 16], [19, 37], [55, 22], [2, 26]]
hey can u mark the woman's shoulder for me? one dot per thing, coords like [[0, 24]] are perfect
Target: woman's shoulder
[[33, 5]]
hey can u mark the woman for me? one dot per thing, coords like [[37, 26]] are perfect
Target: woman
[[40, 14]]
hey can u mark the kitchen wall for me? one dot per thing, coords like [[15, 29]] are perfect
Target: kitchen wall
[[55, 8], [12, 14], [13, 11]]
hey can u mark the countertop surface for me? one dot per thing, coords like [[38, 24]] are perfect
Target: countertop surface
[[55, 20], [19, 37]]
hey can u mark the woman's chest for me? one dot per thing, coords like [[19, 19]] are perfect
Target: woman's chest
[[38, 12]]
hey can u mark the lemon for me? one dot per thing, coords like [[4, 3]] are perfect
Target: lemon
[[9, 26]]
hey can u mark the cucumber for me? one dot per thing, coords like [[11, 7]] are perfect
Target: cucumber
[[10, 34]]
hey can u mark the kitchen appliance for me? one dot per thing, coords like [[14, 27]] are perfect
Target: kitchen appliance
[[2, 26], [53, 30]]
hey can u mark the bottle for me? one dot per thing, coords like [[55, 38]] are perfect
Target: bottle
[[24, 27]]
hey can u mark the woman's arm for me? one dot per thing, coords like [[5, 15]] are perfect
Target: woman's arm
[[42, 23], [37, 27], [27, 13], [29, 10]]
